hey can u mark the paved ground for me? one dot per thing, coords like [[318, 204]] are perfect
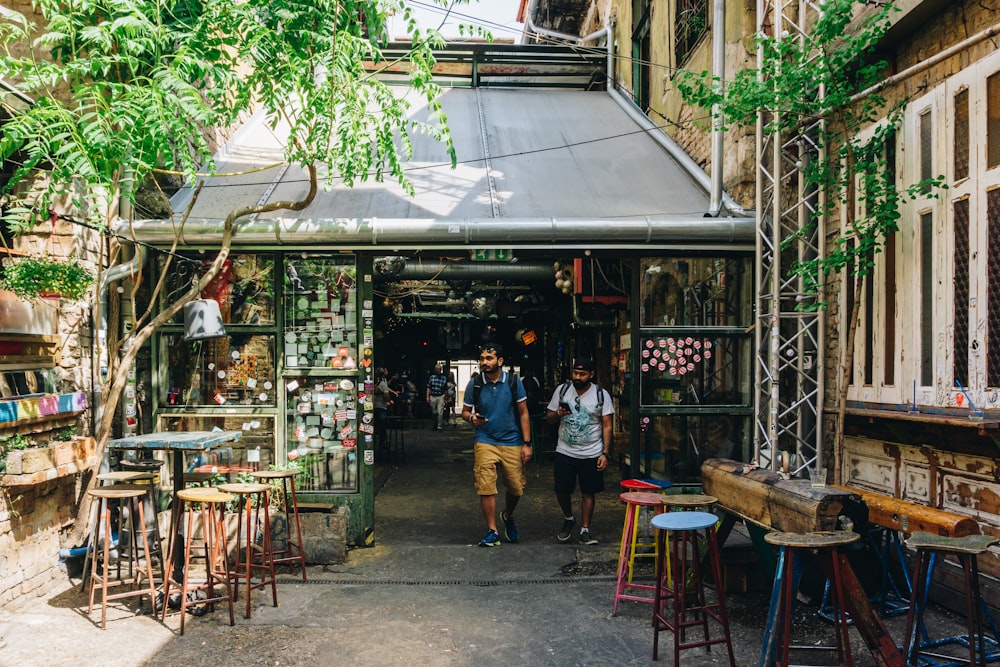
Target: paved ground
[[425, 594]]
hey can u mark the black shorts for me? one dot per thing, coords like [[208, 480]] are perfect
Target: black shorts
[[567, 469]]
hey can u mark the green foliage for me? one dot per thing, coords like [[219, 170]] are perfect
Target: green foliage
[[68, 433], [123, 88], [16, 442], [850, 121], [31, 277]]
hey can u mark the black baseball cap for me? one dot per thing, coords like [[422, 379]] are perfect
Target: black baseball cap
[[583, 364]]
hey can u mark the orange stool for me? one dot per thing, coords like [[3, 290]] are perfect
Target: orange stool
[[685, 596], [213, 526], [252, 499], [131, 497], [825, 545], [293, 551], [634, 502]]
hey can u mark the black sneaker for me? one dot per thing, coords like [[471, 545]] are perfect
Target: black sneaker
[[566, 530], [509, 528], [492, 539], [586, 537]]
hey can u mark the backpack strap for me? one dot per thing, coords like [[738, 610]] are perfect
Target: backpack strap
[[600, 395], [477, 388]]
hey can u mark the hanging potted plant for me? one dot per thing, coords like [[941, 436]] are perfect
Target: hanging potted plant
[[31, 277]]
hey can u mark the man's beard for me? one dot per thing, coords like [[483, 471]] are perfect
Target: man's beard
[[581, 384]]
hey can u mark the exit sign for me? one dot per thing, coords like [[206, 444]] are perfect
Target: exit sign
[[492, 255]]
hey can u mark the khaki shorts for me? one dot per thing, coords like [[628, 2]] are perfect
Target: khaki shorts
[[484, 470]]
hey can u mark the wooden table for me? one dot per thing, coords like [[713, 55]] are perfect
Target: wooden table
[[177, 443]]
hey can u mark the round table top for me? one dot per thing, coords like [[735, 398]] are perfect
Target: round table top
[[119, 491], [684, 520], [825, 539], [204, 495], [243, 488], [274, 474], [969, 544], [689, 500], [644, 498]]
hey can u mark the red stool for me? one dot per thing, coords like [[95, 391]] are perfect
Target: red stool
[[684, 595], [253, 503], [825, 545], [213, 525], [634, 502], [293, 551]]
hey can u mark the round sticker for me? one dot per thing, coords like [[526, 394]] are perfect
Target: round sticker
[[268, 385], [222, 374], [650, 343], [708, 345], [670, 341], [672, 349], [290, 337], [645, 354], [235, 355], [367, 418], [262, 398], [673, 362], [688, 351], [681, 360], [673, 371], [662, 343], [708, 355], [689, 340], [656, 353], [644, 368], [697, 345], [346, 385], [682, 370], [697, 358], [690, 367], [306, 396], [662, 366], [302, 303]]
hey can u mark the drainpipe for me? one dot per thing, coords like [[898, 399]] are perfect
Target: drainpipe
[[718, 70], [115, 273]]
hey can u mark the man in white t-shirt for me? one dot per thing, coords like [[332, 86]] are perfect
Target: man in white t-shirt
[[584, 413]]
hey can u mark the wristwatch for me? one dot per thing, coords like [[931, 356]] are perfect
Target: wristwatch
[[527, 443]]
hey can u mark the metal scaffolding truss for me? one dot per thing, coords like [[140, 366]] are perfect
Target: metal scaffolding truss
[[789, 336]]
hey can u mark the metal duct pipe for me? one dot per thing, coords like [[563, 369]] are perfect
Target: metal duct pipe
[[527, 271], [363, 233], [529, 25]]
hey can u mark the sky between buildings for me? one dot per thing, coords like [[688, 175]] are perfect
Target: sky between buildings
[[497, 16]]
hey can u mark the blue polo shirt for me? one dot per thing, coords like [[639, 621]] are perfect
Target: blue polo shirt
[[496, 404]]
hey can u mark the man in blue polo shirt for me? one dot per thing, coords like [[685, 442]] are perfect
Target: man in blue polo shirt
[[503, 437]]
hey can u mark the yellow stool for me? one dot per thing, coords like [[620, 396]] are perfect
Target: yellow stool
[[634, 502]]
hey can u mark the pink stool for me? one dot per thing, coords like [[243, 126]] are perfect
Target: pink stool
[[624, 586]]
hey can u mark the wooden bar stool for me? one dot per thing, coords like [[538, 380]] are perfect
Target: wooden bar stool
[[129, 496], [689, 501], [253, 501], [212, 508], [826, 547], [684, 591], [293, 551], [966, 549], [624, 586]]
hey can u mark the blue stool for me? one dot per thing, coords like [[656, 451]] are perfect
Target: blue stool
[[683, 589], [825, 546], [965, 549]]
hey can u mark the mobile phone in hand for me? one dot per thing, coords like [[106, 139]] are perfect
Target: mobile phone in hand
[[481, 417], [564, 405]]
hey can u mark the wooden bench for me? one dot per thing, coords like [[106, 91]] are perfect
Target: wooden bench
[[909, 517]]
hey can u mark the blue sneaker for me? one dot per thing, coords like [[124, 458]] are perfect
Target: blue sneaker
[[509, 528], [492, 539]]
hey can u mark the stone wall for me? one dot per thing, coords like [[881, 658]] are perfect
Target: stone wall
[[32, 521]]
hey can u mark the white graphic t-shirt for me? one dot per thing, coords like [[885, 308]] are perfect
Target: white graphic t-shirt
[[580, 433]]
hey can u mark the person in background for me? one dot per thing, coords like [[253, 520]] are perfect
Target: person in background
[[450, 397], [584, 412], [437, 385], [407, 394], [382, 400], [499, 414]]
